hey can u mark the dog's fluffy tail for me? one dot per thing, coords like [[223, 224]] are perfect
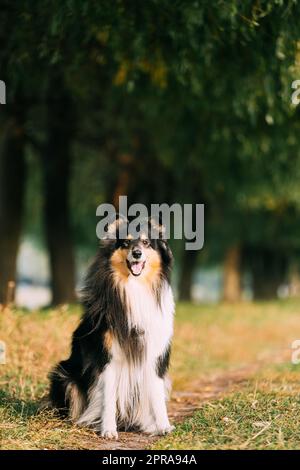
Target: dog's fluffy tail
[[64, 394]]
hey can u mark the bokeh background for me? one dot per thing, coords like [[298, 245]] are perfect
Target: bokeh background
[[182, 101]]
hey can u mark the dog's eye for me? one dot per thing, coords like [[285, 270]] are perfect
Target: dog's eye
[[126, 243], [146, 242]]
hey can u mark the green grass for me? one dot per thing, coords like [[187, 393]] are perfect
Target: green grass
[[244, 420], [211, 339], [261, 412]]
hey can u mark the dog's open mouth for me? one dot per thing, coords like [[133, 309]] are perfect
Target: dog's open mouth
[[136, 267]]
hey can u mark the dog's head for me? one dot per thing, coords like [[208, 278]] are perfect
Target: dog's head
[[146, 255]]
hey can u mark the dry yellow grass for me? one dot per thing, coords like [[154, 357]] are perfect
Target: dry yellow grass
[[34, 342], [208, 340], [217, 338]]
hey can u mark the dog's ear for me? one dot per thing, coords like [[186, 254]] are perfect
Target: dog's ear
[[156, 228], [116, 227], [165, 252], [158, 231]]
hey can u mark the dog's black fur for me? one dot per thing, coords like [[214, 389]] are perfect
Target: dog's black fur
[[104, 311]]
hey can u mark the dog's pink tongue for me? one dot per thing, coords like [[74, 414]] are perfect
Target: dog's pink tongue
[[137, 268]]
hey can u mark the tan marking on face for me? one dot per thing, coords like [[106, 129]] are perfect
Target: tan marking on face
[[118, 262], [108, 340], [150, 274], [152, 270]]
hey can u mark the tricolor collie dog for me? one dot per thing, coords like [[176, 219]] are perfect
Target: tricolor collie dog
[[116, 376]]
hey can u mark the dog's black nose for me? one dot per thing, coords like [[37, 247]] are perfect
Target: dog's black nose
[[136, 253]]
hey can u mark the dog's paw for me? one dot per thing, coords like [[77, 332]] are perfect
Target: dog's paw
[[109, 434], [161, 431], [150, 429]]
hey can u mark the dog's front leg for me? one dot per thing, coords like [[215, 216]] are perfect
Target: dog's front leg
[[108, 417], [159, 407]]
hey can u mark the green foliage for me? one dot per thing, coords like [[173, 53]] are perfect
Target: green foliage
[[206, 84]]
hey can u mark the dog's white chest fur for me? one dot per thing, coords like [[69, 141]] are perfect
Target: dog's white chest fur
[[155, 322], [135, 386], [147, 315]]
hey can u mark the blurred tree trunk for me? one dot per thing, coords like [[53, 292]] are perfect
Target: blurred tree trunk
[[12, 185], [56, 167], [294, 279], [188, 265], [125, 178], [232, 275], [269, 269]]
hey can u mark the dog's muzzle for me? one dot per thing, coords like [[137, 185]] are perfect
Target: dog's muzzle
[[136, 261]]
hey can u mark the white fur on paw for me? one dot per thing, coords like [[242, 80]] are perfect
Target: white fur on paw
[[109, 434], [152, 429], [164, 430]]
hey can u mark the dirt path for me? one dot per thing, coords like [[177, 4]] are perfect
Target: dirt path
[[181, 405]]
